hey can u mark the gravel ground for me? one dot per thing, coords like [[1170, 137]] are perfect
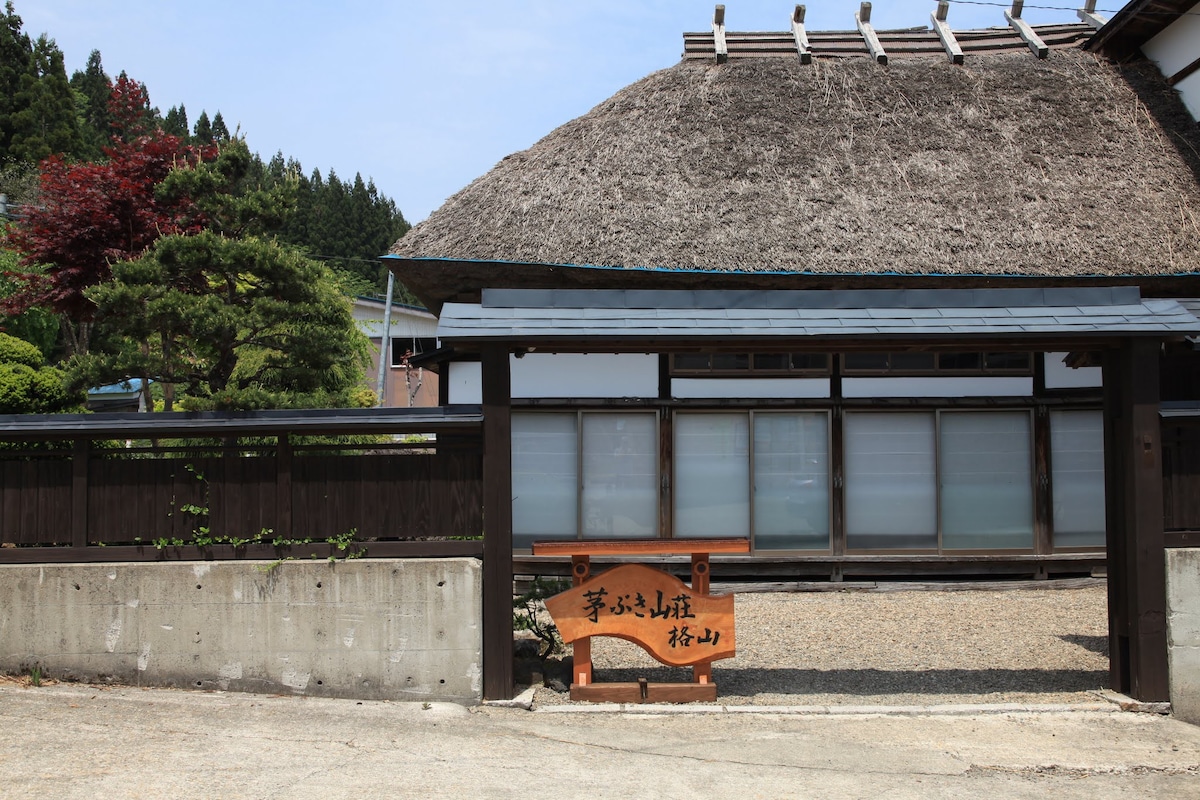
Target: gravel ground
[[897, 648]]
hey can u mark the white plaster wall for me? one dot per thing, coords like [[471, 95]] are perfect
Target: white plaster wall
[[465, 382], [1174, 48], [937, 387], [370, 629], [1189, 91], [1183, 631], [588, 375], [1060, 376], [750, 387]]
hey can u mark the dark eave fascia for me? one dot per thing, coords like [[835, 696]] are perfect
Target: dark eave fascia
[[821, 344], [437, 281], [215, 424]]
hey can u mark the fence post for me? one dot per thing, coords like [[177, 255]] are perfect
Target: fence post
[[79, 493], [283, 486]]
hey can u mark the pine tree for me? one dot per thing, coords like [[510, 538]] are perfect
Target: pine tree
[[16, 62], [202, 134], [219, 132], [176, 122], [93, 88], [228, 317], [44, 118]]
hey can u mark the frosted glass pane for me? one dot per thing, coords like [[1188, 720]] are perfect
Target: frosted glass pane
[[987, 481], [1077, 477], [712, 475], [620, 475], [545, 477], [891, 490], [791, 481]]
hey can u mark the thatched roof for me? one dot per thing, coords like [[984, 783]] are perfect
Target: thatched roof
[[1007, 165]]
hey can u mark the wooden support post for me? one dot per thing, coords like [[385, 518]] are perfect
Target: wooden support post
[[79, 493], [701, 673], [497, 525], [1136, 553], [283, 486], [1043, 503], [581, 650], [1088, 14], [1023, 30], [938, 18], [718, 26], [798, 33], [863, 19]]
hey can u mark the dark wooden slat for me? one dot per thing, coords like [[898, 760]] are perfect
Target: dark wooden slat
[[79, 494]]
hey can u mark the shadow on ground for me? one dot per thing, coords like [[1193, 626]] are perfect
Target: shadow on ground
[[868, 682]]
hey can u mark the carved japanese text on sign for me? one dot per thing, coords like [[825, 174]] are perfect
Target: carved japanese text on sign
[[650, 608]]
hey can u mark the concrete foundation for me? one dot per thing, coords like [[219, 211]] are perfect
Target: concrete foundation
[[1183, 631], [369, 629]]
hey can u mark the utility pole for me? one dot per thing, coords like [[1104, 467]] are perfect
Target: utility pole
[[386, 341]]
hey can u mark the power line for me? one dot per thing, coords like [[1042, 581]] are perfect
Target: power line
[[1076, 8]]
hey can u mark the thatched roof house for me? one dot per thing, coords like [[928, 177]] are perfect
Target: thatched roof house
[[1016, 210], [1072, 165]]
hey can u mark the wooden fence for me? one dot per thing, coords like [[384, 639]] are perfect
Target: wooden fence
[[1181, 475], [98, 498]]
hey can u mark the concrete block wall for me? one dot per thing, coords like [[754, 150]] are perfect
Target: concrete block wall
[[368, 629], [1183, 631]]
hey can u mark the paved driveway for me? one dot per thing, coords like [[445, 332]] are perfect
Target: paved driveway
[[72, 741]]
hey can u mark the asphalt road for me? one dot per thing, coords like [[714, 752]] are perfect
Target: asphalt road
[[73, 741]]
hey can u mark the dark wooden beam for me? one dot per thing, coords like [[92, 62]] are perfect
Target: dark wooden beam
[[497, 525], [1133, 478]]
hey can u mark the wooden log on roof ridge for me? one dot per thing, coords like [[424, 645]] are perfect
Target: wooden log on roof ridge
[[1088, 14], [953, 51], [802, 47], [718, 26], [1039, 48], [863, 18]]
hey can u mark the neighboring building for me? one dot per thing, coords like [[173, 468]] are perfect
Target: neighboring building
[[413, 332], [857, 313], [127, 395]]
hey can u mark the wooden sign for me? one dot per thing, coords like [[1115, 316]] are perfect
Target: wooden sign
[[676, 625]]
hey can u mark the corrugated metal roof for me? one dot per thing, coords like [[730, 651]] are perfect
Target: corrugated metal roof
[[1039, 313]]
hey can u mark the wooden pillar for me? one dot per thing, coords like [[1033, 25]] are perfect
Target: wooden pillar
[[497, 526], [1133, 484]]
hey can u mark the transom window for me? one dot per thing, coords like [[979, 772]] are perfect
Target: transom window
[[750, 364], [927, 363]]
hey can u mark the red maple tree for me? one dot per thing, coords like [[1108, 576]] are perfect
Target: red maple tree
[[93, 215]]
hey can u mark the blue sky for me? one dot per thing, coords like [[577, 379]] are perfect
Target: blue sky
[[423, 97]]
